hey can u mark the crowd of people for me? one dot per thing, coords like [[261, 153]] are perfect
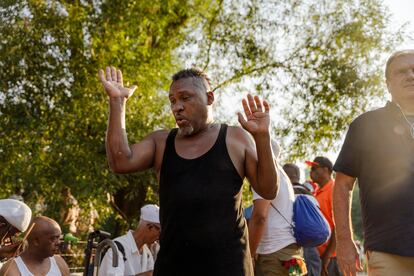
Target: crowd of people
[[201, 166]]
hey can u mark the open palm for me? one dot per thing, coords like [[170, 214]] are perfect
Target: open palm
[[113, 83], [257, 115]]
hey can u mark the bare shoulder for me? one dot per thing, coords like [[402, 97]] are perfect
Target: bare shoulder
[[159, 136], [63, 266], [9, 268], [235, 133]]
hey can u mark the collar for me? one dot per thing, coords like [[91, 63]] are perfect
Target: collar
[[327, 186], [131, 242], [394, 109]]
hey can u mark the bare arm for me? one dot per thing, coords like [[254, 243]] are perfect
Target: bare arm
[[257, 223], [260, 166], [267, 174], [347, 253], [123, 158], [326, 256]]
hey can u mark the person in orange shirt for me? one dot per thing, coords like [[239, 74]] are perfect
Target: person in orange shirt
[[321, 173]]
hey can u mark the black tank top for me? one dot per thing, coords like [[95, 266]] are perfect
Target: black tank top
[[203, 228]]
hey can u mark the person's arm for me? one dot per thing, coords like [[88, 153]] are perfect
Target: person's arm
[[346, 251], [326, 256], [257, 224], [123, 158], [260, 166], [63, 266]]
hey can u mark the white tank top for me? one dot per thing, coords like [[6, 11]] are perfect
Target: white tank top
[[24, 271]]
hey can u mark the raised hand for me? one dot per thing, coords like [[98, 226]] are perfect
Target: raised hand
[[257, 119], [113, 83]]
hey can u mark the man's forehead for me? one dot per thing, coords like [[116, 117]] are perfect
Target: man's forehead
[[188, 84], [402, 59]]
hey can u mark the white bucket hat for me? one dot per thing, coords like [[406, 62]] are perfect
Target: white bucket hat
[[16, 213], [150, 213]]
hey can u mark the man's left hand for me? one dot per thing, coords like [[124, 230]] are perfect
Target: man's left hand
[[257, 115]]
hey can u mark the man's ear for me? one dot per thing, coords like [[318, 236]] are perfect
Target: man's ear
[[210, 98], [36, 241]]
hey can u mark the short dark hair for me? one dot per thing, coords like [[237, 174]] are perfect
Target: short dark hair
[[195, 73], [322, 161], [393, 57], [292, 171]]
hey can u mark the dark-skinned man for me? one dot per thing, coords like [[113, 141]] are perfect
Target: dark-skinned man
[[321, 173], [379, 152], [200, 167], [15, 217], [39, 257]]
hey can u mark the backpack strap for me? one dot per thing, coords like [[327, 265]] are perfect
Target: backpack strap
[[120, 248], [274, 207]]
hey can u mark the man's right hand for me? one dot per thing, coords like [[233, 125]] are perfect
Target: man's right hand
[[348, 257], [113, 83]]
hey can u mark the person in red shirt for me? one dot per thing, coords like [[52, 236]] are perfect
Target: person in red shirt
[[321, 173]]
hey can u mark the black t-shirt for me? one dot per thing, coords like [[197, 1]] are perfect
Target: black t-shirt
[[379, 152]]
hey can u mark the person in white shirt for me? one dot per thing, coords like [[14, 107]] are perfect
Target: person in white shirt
[[310, 254], [15, 217], [39, 258], [270, 229], [137, 258]]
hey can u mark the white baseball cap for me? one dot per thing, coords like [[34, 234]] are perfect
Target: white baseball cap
[[16, 213], [150, 213]]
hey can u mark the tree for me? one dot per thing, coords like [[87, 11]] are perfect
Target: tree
[[320, 56], [52, 108], [318, 61]]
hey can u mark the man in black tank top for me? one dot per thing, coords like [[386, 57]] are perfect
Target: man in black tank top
[[200, 167]]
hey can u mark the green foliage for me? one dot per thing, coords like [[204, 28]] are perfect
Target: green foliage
[[318, 62], [321, 58], [54, 111]]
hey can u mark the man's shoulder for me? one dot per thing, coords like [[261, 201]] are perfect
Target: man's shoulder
[[238, 133], [62, 265], [160, 134], [372, 115], [124, 239]]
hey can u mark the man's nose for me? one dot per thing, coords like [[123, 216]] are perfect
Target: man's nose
[[178, 106]]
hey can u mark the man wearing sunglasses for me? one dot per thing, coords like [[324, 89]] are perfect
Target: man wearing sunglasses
[[134, 255], [15, 217]]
